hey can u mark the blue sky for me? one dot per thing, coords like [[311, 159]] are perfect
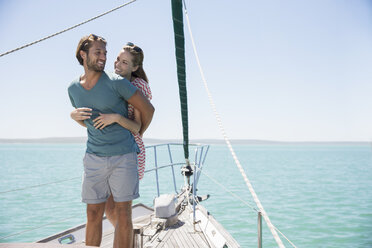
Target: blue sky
[[278, 70]]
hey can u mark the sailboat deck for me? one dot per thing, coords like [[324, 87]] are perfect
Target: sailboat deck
[[181, 234], [149, 231]]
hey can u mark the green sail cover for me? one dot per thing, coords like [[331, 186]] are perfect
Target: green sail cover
[[179, 39]]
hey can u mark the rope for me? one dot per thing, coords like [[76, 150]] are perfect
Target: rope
[[229, 191], [285, 237], [32, 229], [39, 185], [43, 184], [253, 193], [240, 199], [67, 29]]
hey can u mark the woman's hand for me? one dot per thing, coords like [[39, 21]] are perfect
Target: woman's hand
[[81, 114], [104, 120]]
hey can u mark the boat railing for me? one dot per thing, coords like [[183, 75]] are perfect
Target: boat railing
[[200, 154]]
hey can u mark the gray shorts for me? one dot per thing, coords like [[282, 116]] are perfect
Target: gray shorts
[[103, 176]]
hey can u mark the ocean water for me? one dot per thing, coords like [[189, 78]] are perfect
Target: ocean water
[[316, 195]]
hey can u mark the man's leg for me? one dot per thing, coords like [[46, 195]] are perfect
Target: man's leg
[[110, 210], [124, 185], [124, 227], [93, 232]]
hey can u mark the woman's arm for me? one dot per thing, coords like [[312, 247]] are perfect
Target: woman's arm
[[107, 119]]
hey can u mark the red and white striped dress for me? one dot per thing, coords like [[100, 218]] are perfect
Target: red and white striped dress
[[146, 91]]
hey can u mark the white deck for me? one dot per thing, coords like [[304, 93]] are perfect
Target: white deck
[[208, 233], [178, 231]]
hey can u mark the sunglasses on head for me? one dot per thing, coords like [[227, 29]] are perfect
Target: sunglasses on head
[[95, 37], [91, 37], [134, 47]]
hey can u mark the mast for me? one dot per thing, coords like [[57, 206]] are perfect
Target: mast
[[179, 39]]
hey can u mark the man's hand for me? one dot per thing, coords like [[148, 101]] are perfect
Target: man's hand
[[81, 114]]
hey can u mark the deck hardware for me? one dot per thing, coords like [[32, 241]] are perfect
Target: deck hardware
[[171, 161], [68, 239], [156, 172], [259, 231]]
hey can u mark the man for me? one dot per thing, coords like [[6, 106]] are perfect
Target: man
[[110, 162]]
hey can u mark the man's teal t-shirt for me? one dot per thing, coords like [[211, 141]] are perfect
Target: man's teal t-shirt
[[109, 95]]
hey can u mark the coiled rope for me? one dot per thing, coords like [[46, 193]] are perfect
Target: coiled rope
[[67, 29], [211, 101]]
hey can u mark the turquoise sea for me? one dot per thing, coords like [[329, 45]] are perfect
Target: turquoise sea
[[316, 195]]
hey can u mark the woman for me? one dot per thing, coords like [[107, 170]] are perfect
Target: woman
[[129, 64]]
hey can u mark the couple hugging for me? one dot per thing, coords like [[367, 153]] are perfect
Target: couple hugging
[[116, 111]]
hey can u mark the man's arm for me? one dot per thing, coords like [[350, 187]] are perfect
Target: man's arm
[[140, 102]]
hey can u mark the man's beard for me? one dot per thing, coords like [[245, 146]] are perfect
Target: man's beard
[[93, 66]]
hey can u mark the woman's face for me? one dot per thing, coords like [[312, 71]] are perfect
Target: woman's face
[[124, 65]]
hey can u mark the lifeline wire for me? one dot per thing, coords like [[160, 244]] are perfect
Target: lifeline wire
[[43, 184], [227, 190], [253, 193], [32, 229], [244, 202], [285, 237], [67, 29], [39, 185]]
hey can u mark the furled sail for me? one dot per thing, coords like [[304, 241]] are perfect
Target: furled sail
[[179, 39]]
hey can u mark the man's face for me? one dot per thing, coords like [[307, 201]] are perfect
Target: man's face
[[96, 59]]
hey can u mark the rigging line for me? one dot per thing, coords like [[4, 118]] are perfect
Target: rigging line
[[67, 29], [236, 196], [285, 237], [32, 229], [253, 193], [39, 185], [43, 184], [229, 191]]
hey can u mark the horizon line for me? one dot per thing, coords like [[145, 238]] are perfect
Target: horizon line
[[82, 139]]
